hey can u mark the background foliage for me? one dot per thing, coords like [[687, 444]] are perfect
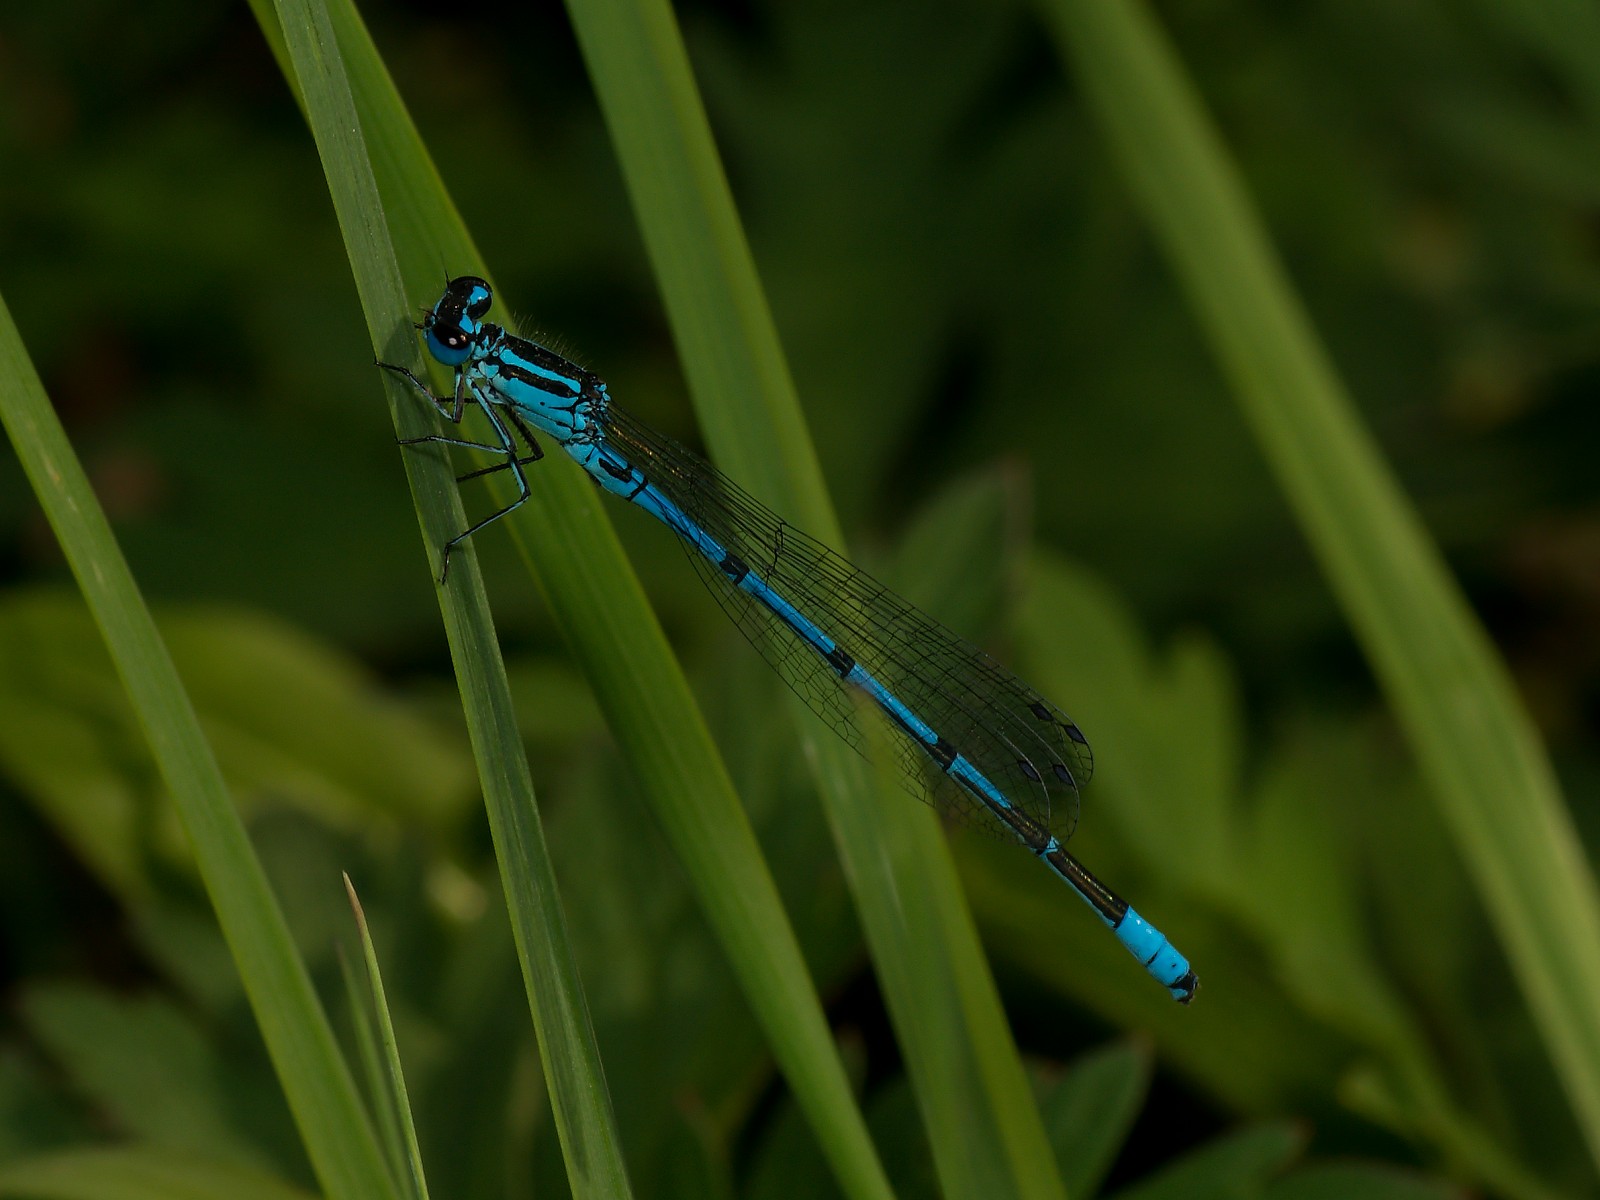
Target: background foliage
[[1004, 385]]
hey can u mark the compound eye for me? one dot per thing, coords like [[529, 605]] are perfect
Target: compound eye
[[448, 343], [472, 294]]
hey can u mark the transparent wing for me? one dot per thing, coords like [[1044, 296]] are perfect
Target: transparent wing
[[1026, 746]]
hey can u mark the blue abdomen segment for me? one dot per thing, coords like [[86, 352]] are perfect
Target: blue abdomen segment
[[1141, 939], [1150, 946]]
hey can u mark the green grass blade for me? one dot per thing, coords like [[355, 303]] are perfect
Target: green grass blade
[[567, 1046], [394, 1072], [615, 637], [315, 1077], [369, 1052], [1451, 692], [986, 1133]]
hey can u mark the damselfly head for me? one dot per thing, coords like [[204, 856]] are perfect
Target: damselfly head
[[451, 328]]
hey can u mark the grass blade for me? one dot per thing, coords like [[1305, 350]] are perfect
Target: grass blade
[[315, 1077], [574, 556], [1450, 691], [567, 1046], [395, 1074], [369, 1052]]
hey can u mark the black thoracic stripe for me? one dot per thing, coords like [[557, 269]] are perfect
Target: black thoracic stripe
[[541, 382], [840, 661], [543, 356]]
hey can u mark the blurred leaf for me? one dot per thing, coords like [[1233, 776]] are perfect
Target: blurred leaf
[[553, 702], [1565, 34], [146, 1065], [898, 1126], [1296, 892], [137, 1173], [1368, 1181], [1417, 1107], [962, 551], [292, 719], [291, 715], [663, 999], [696, 1162], [1534, 148], [183, 939], [785, 1162], [34, 1116], [68, 763], [1091, 1110], [1166, 732], [1237, 1165]]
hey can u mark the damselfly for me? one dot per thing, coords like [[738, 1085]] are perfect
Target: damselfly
[[973, 739]]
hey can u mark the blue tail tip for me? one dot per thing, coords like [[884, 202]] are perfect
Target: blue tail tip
[[1146, 943], [1184, 989]]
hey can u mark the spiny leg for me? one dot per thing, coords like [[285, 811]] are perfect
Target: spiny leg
[[508, 447], [505, 466], [441, 440], [535, 451], [451, 409]]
